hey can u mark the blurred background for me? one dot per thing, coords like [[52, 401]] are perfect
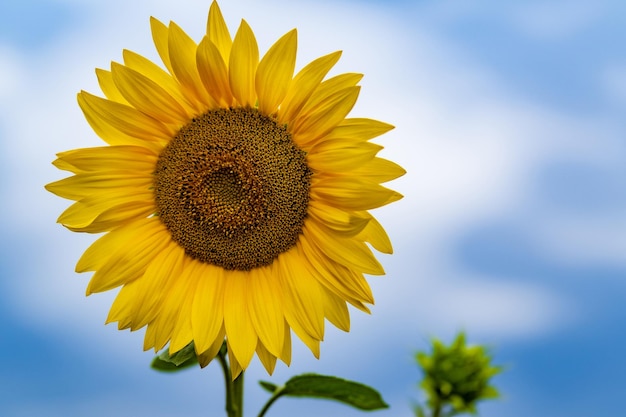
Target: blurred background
[[510, 122]]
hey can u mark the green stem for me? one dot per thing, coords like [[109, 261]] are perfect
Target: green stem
[[437, 409], [234, 389], [269, 402], [237, 396], [227, 381]]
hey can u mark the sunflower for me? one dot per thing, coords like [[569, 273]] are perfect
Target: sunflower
[[233, 196]]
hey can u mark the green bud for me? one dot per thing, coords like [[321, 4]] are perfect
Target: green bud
[[456, 377]]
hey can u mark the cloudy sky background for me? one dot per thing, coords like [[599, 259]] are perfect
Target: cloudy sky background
[[510, 121]]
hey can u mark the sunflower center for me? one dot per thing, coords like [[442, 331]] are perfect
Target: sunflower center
[[233, 188]]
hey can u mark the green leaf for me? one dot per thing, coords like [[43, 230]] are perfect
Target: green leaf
[[184, 358], [268, 386], [163, 366], [348, 392]]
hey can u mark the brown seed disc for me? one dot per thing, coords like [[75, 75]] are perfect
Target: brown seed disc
[[233, 188]]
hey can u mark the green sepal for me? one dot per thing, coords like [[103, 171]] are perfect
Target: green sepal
[[184, 358], [329, 387], [268, 386]]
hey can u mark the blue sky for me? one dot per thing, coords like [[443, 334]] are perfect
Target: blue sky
[[509, 120]]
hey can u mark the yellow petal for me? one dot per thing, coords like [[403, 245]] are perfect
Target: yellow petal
[[378, 170], [375, 235], [121, 309], [351, 286], [312, 343], [244, 58], [352, 193], [217, 31], [213, 73], [147, 96], [335, 310], [125, 119], [165, 266], [325, 116], [150, 336], [236, 368], [357, 281], [166, 81], [160, 34], [266, 310], [87, 209], [275, 72], [341, 155], [359, 129], [116, 216], [207, 312], [102, 249], [242, 338], [83, 185], [267, 359], [130, 259], [303, 302], [183, 332], [360, 306], [182, 53], [346, 145], [110, 134], [64, 166], [348, 252], [286, 353], [102, 212], [108, 87], [304, 84], [106, 158], [204, 358], [348, 224], [329, 88], [176, 290]]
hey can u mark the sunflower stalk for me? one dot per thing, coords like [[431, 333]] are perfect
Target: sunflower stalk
[[276, 395], [234, 388], [237, 397]]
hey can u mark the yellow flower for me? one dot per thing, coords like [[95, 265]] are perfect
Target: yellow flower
[[233, 195]]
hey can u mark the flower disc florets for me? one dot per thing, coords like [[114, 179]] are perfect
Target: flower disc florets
[[233, 189]]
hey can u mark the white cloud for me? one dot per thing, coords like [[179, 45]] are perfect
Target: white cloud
[[537, 20], [582, 241], [613, 82], [557, 20], [488, 307], [9, 71]]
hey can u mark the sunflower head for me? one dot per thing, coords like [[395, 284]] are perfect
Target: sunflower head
[[233, 195]]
